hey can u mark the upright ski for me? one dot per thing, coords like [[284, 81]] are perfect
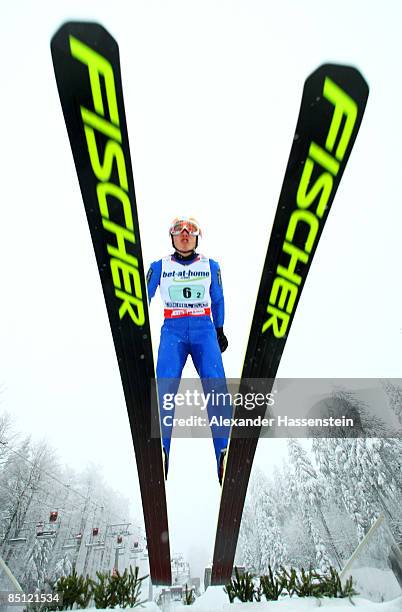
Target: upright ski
[[332, 107], [87, 69]]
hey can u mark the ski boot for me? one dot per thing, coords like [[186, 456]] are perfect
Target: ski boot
[[222, 465], [165, 462]]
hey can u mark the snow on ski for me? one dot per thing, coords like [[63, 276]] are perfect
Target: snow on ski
[[87, 69], [332, 107]]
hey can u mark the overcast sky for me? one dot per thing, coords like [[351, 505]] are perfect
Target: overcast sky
[[212, 93]]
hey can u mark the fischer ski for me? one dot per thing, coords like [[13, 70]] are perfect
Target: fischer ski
[[87, 68], [332, 107]]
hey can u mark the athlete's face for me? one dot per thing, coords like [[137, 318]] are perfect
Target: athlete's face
[[184, 242]]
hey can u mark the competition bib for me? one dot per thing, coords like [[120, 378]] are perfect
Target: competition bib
[[185, 288]]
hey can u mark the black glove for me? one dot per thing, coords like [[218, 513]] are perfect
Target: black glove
[[222, 340]]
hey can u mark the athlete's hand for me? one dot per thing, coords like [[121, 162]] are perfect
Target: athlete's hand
[[222, 340]]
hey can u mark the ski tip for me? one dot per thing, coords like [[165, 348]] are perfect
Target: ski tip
[[346, 75], [90, 32]]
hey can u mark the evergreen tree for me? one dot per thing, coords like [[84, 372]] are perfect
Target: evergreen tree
[[261, 540], [62, 568], [394, 395], [311, 493]]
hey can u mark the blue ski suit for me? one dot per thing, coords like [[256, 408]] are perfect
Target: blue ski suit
[[182, 336]]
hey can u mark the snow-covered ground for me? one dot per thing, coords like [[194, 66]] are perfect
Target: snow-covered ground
[[215, 600], [376, 584]]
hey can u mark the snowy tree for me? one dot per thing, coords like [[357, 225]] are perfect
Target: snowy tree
[[273, 548], [327, 453], [282, 492], [323, 562], [247, 549], [394, 395], [310, 493], [366, 475], [351, 486], [298, 539], [40, 558], [21, 479], [363, 475], [261, 541], [324, 454], [6, 436], [63, 567], [342, 402]]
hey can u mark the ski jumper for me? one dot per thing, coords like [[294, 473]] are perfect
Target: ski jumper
[[191, 289]]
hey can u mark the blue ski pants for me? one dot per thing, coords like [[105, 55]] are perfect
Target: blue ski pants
[[195, 336]]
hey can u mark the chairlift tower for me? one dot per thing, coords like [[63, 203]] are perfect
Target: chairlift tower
[[118, 531]]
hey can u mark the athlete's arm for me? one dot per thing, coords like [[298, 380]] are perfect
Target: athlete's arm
[[216, 292], [218, 304], [153, 278]]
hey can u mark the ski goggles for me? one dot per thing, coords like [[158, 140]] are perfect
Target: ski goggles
[[185, 224]]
